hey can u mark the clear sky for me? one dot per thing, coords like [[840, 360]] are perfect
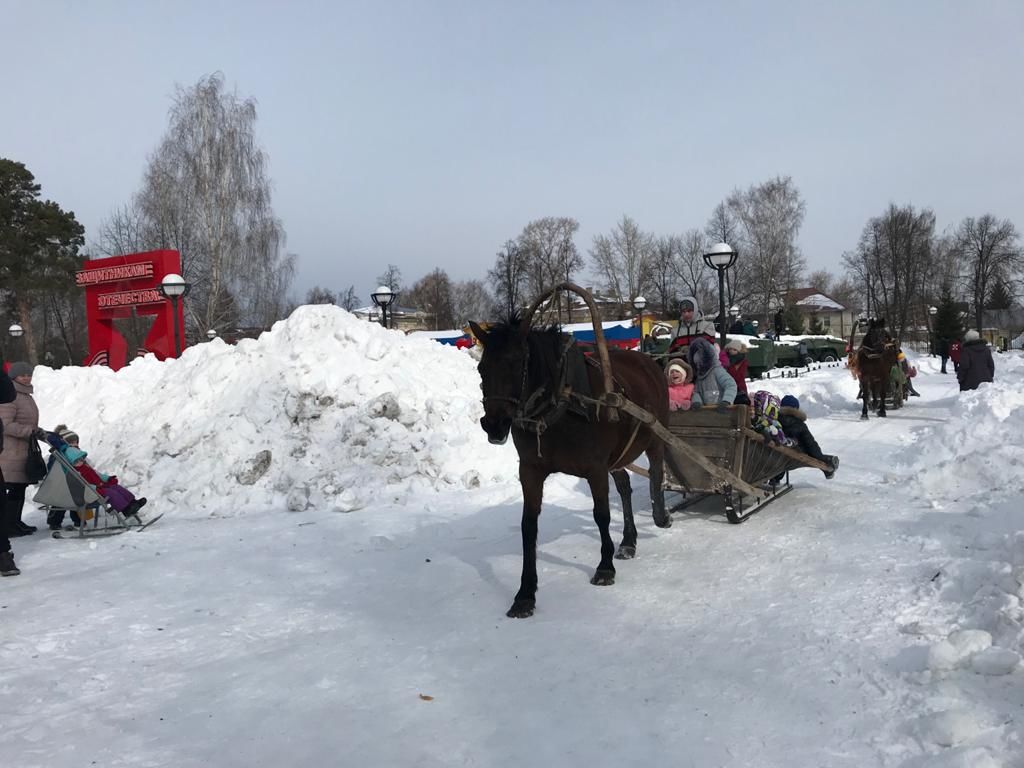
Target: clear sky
[[425, 134]]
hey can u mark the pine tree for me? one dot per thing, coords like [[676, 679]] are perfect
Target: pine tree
[[999, 297], [815, 327], [947, 326], [793, 320], [39, 245]]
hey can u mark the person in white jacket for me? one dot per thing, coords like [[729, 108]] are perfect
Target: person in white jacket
[[692, 325]]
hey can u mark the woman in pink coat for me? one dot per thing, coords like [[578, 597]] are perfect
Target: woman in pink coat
[[21, 425]]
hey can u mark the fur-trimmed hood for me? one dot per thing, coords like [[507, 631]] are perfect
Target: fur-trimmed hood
[[796, 413], [679, 362], [702, 357]]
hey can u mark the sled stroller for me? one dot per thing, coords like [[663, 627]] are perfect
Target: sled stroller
[[64, 489]]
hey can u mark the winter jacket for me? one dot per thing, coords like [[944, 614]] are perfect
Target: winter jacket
[[7, 395], [696, 328], [712, 384], [794, 424], [737, 368], [20, 418], [976, 365], [680, 396]]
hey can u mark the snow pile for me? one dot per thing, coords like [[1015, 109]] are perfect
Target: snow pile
[[324, 410], [980, 450]]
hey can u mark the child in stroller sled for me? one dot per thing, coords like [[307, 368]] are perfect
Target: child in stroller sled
[[65, 441]]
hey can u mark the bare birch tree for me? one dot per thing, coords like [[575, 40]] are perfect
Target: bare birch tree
[[988, 250], [622, 259], [692, 274], [894, 251], [206, 194], [432, 294], [764, 221], [662, 279], [508, 275], [471, 301], [551, 256]]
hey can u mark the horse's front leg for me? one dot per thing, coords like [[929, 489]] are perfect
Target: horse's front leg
[[883, 393], [532, 481], [865, 393], [605, 574], [627, 547]]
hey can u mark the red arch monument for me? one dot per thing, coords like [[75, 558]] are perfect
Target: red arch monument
[[126, 313]]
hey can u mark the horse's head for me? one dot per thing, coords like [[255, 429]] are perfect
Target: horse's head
[[876, 337], [514, 364]]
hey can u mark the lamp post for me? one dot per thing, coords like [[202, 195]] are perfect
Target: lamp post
[[638, 304], [16, 332], [174, 287], [720, 258], [211, 334], [932, 311], [384, 297]]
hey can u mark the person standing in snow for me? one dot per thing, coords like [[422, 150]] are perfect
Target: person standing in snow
[[7, 566], [943, 349], [976, 364], [955, 348], [711, 384], [21, 425], [794, 424]]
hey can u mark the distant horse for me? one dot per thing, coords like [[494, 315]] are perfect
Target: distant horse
[[526, 376], [872, 363]]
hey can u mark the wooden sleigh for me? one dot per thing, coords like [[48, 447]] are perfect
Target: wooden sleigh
[[737, 464]]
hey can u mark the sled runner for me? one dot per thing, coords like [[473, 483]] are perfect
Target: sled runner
[[64, 488]]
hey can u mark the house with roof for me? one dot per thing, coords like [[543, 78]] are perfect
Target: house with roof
[[835, 319]]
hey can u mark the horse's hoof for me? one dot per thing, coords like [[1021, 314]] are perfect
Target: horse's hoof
[[863, 417], [603, 579], [521, 609], [663, 522], [625, 553], [881, 414]]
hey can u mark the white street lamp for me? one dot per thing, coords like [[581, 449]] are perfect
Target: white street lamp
[[16, 331], [174, 287], [720, 257], [384, 297]]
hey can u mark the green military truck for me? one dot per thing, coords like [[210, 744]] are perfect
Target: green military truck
[[798, 351]]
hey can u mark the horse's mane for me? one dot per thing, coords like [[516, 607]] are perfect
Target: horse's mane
[[544, 343]]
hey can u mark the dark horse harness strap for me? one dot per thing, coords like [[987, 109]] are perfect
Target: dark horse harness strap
[[539, 412]]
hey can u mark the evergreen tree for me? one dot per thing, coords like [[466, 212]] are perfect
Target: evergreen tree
[[793, 320], [815, 327], [39, 245], [947, 326], [999, 297]]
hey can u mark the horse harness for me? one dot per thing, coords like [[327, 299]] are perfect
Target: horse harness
[[544, 408]]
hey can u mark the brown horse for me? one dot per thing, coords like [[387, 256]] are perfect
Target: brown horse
[[873, 364], [533, 383]]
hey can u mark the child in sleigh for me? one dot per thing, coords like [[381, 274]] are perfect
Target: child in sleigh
[[65, 442]]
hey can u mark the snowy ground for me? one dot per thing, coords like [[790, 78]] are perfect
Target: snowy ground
[[305, 616]]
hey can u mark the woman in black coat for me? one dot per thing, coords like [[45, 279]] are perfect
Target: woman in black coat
[[976, 363]]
